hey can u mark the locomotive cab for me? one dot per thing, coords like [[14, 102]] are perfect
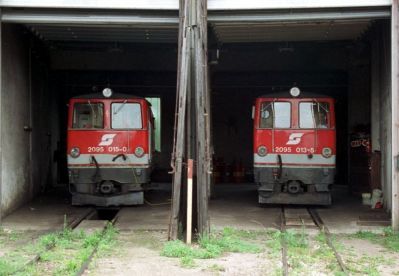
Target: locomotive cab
[[109, 149], [294, 148]]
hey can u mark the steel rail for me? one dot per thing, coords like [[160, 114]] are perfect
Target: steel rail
[[320, 224], [86, 264], [284, 249]]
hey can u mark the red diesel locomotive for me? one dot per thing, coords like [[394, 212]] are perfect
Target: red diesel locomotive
[[294, 148], [109, 149]]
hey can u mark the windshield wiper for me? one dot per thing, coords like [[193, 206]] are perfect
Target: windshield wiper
[[320, 105], [120, 107]]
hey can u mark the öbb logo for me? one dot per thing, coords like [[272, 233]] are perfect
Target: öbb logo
[[294, 139], [107, 139]]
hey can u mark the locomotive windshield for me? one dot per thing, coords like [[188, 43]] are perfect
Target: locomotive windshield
[[313, 114], [88, 115], [126, 116], [275, 115]]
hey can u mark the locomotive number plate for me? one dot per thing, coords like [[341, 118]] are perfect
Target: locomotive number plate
[[304, 150], [296, 150], [282, 149], [95, 149], [117, 149]]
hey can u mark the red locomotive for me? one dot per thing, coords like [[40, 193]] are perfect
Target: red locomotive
[[109, 149], [294, 148]]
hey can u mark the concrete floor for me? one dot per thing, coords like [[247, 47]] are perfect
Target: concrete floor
[[233, 205], [46, 212], [236, 205]]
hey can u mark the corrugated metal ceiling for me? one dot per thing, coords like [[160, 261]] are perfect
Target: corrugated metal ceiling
[[225, 32], [273, 32], [148, 34], [228, 26]]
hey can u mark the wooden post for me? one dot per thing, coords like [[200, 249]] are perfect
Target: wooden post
[[201, 65], [395, 113], [180, 120], [191, 133], [1, 130], [189, 200]]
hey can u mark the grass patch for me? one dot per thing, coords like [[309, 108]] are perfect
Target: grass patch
[[61, 253], [213, 246], [389, 238], [7, 235], [308, 255], [216, 268]]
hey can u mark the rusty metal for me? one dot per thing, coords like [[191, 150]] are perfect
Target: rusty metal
[[323, 228], [85, 265], [284, 248]]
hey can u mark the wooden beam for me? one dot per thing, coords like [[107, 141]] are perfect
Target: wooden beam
[[1, 130], [192, 125], [395, 113], [180, 121], [201, 67]]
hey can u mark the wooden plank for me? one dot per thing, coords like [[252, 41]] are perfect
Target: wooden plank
[[395, 114], [179, 146], [1, 130], [200, 104]]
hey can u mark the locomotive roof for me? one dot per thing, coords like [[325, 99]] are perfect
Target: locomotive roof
[[286, 94], [101, 96]]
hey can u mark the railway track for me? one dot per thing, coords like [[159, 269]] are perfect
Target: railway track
[[86, 264], [308, 218], [87, 215]]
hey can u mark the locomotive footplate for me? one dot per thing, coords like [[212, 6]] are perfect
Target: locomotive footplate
[[308, 198], [136, 198]]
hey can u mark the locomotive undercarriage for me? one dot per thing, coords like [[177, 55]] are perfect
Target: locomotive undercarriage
[[307, 186], [108, 186]]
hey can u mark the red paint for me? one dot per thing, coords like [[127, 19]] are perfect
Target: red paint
[[123, 142], [190, 169], [312, 140]]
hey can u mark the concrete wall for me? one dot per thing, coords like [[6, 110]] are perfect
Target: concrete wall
[[386, 109], [381, 104], [15, 170], [24, 104]]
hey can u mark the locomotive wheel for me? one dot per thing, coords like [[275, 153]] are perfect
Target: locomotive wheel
[[294, 187]]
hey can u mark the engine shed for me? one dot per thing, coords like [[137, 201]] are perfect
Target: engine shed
[[52, 51]]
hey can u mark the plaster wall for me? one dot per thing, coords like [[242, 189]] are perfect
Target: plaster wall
[[25, 119], [15, 170]]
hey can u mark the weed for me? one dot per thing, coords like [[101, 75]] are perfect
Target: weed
[[216, 268], [294, 239], [187, 262], [209, 247], [69, 250], [274, 243], [6, 267], [389, 238]]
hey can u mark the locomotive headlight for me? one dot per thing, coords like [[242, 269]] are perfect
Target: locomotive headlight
[[139, 152], [75, 152], [107, 92], [326, 152], [262, 151], [294, 91]]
